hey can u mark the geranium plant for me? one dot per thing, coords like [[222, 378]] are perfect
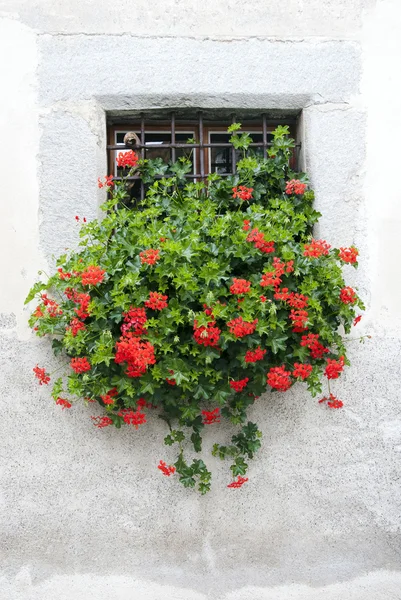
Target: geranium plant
[[193, 303]]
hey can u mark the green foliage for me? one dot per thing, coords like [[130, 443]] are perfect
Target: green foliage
[[201, 232]]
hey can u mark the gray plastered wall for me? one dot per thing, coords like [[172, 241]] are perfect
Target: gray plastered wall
[[84, 514]]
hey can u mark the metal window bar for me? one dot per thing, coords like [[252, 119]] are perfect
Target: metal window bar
[[202, 146]]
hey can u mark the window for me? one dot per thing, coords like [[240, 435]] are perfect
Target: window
[[200, 136]]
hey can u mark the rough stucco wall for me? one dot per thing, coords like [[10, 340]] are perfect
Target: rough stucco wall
[[83, 514]]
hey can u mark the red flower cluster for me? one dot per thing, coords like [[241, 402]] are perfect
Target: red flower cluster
[[297, 300], [131, 417], [348, 255], [239, 385], [295, 187], [334, 368], [108, 181], [79, 298], [101, 422], [302, 370], [207, 336], [253, 356], [136, 353], [273, 278], [109, 397], [166, 469], [242, 192], [332, 402], [299, 319], [80, 365], [279, 379], [156, 301], [63, 403], [51, 306], [41, 375], [241, 328], [63, 275], [134, 321], [246, 226], [258, 239], [311, 341], [239, 482], [316, 248], [240, 286], [149, 256], [127, 159], [92, 275], [75, 326], [211, 416], [348, 295]]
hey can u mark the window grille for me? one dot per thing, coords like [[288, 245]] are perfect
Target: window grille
[[200, 136]]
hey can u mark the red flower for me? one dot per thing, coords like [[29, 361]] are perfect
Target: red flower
[[316, 248], [80, 365], [289, 267], [238, 386], [270, 278], [108, 181], [141, 403], [138, 354], [133, 418], [253, 356], [258, 239], [297, 300], [207, 336], [299, 318], [302, 370], [239, 482], [51, 306], [127, 159], [166, 469], [101, 422], [348, 295], [334, 368], [282, 294], [92, 275], [332, 402], [247, 225], [263, 298], [241, 328], [240, 286], [279, 379], [75, 326], [83, 300], [107, 399], [348, 255], [41, 375], [63, 403], [38, 312], [134, 321], [357, 319], [316, 348], [156, 301], [149, 256], [211, 416], [295, 187], [242, 192], [63, 275]]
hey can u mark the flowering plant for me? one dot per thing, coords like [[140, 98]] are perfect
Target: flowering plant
[[196, 301]]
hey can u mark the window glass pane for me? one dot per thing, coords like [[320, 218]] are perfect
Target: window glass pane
[[220, 158]]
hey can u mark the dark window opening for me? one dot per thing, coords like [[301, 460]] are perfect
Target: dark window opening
[[200, 136]]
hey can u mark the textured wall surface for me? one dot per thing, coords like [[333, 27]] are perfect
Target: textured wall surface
[[84, 514]]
